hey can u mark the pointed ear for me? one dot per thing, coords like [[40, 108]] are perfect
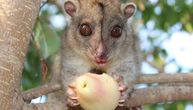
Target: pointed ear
[[71, 7], [128, 9]]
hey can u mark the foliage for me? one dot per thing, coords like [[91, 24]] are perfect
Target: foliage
[[45, 42], [158, 18]]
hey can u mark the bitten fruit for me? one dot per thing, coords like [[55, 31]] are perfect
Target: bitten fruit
[[97, 92]]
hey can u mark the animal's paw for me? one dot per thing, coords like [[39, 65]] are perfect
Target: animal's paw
[[72, 96], [122, 88]]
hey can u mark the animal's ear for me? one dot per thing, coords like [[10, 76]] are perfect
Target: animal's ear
[[71, 7], [128, 9]]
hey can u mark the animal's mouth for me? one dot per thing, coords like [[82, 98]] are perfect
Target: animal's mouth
[[101, 62]]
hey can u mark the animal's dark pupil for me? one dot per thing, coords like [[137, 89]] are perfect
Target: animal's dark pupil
[[85, 30], [116, 32]]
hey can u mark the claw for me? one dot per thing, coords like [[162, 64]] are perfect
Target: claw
[[72, 86], [73, 103], [71, 92], [121, 105], [73, 98], [121, 102], [122, 87]]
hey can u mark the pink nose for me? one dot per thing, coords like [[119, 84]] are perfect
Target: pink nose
[[101, 52], [101, 56]]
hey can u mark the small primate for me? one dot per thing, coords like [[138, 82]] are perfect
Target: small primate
[[99, 38]]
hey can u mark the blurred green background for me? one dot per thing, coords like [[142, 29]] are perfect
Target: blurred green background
[[165, 28]]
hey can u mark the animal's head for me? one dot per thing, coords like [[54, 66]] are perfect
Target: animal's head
[[98, 29]]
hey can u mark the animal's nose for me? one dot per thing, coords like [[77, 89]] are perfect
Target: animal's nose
[[101, 52], [101, 55]]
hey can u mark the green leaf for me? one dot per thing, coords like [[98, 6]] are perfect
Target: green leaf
[[46, 39], [189, 27]]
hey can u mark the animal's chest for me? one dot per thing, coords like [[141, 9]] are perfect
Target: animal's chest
[[76, 64]]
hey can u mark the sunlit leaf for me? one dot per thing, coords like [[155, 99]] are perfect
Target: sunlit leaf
[[189, 27]]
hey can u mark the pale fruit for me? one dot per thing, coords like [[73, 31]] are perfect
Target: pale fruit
[[97, 92]]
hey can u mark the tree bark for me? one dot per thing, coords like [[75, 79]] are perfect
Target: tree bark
[[17, 18]]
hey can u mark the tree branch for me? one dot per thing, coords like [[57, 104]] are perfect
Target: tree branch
[[42, 90], [145, 79], [166, 78], [45, 106], [160, 94], [139, 96]]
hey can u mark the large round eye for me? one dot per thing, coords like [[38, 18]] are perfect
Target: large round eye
[[116, 31], [85, 30]]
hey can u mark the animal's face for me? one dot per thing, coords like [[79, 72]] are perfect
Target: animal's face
[[98, 30]]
